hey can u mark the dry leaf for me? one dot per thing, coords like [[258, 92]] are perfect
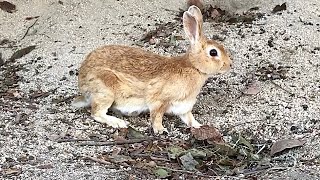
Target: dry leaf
[[278, 8], [45, 166], [116, 151], [252, 89], [10, 171], [198, 3], [211, 134], [7, 6], [32, 17], [284, 144], [22, 52], [134, 134], [1, 60], [188, 162]]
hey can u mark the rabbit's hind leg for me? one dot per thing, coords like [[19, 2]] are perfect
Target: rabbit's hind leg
[[100, 103]]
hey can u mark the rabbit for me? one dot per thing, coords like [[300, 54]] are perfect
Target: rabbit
[[132, 80]]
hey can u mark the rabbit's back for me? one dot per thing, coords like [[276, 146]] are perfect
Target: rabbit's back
[[132, 61]]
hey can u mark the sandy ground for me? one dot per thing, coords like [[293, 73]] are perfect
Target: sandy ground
[[65, 32]]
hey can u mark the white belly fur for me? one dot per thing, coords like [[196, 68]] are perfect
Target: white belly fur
[[133, 108], [181, 107]]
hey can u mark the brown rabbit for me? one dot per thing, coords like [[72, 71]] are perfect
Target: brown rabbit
[[131, 80]]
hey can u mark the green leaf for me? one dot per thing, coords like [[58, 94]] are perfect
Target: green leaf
[[242, 141], [225, 149], [196, 153], [134, 134], [161, 173], [188, 162], [175, 151]]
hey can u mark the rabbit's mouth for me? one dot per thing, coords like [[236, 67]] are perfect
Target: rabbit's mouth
[[225, 68]]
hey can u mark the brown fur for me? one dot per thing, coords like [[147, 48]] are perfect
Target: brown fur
[[124, 77]]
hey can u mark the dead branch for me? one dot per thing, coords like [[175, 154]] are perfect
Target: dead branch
[[26, 33], [71, 140], [118, 142]]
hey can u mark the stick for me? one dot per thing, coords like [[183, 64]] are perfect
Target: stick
[[101, 161], [189, 172], [277, 85], [25, 34], [151, 157], [71, 140], [119, 142]]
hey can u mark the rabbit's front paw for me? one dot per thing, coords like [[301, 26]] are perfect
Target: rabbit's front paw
[[112, 121], [195, 124], [159, 129]]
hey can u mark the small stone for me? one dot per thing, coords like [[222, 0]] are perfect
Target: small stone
[[305, 107]]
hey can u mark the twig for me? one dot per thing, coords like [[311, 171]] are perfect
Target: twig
[[151, 157], [286, 90], [101, 161], [264, 145], [72, 140], [260, 169], [187, 172], [119, 142], [64, 99], [25, 34]]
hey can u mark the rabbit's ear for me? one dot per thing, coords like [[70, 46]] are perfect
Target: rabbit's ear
[[196, 12], [191, 28]]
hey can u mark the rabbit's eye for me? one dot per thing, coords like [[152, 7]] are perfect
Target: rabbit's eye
[[213, 52]]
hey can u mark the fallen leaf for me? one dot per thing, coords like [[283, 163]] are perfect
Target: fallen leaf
[[214, 12], [225, 149], [11, 171], [116, 151], [198, 3], [252, 89], [134, 134], [31, 17], [22, 52], [1, 60], [161, 173], [238, 139], [7, 6], [211, 134], [120, 158], [284, 144], [151, 164], [197, 153], [45, 166], [175, 151], [188, 162], [278, 8]]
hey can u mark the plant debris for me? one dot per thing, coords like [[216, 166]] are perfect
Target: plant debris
[[269, 71], [278, 8], [252, 89], [31, 17], [21, 52], [214, 13], [204, 153], [284, 144], [7, 6], [210, 134], [198, 3]]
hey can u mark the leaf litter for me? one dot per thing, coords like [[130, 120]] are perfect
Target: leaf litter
[[7, 6], [205, 153], [284, 144]]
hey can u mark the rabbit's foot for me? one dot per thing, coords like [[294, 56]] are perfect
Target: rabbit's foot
[[159, 129], [112, 121]]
